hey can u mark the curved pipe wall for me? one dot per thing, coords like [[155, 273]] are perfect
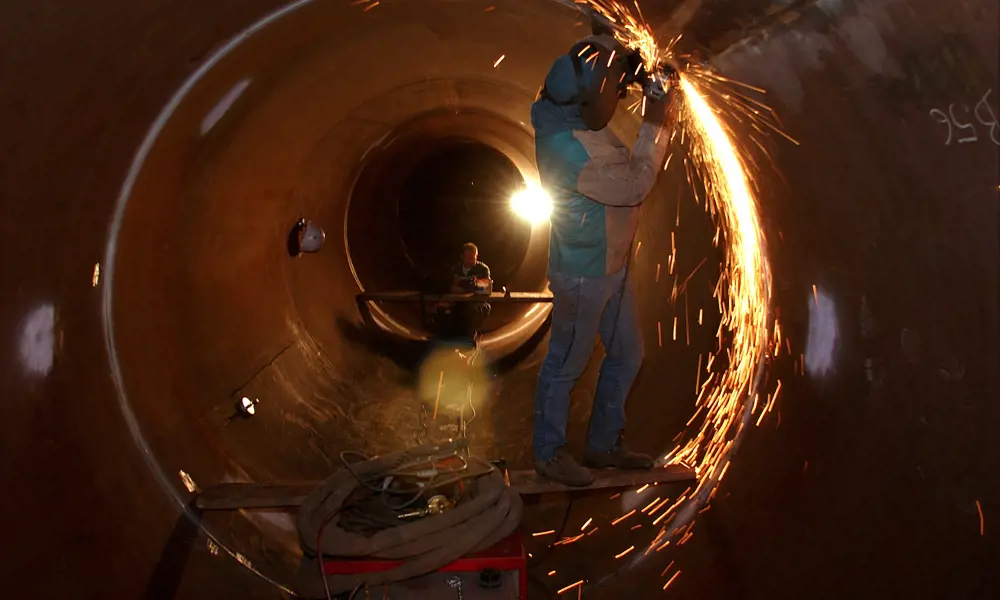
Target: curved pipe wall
[[883, 237]]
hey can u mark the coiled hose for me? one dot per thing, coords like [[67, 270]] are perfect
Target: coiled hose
[[489, 512]]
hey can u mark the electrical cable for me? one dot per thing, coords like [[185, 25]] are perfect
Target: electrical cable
[[400, 470], [319, 540], [357, 589], [364, 483], [472, 363], [384, 490], [421, 490]]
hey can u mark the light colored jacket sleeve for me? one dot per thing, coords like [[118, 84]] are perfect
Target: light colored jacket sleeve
[[616, 177]]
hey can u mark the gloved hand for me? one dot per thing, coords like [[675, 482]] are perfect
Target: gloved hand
[[669, 73], [660, 84], [657, 90]]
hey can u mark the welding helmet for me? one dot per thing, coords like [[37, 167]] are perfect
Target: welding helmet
[[594, 74]]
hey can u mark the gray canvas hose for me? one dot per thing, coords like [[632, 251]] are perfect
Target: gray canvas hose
[[488, 513]]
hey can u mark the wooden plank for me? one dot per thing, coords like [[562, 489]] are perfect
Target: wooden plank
[[494, 298], [529, 483], [234, 496]]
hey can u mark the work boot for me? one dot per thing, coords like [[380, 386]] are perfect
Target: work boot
[[564, 469], [619, 457]]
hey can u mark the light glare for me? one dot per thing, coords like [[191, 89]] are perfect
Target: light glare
[[532, 203]]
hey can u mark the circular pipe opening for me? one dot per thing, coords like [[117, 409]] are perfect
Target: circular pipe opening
[[437, 181], [459, 192], [234, 315]]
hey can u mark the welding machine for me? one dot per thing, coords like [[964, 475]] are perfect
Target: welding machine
[[497, 573]]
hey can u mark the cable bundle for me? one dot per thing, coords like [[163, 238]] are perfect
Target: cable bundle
[[348, 517]]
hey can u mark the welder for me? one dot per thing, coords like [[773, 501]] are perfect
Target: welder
[[468, 276], [597, 185]]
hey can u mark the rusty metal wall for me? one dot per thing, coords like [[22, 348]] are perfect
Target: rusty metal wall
[[873, 480], [869, 484]]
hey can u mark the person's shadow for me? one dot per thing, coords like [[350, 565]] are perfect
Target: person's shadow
[[165, 581], [406, 353]]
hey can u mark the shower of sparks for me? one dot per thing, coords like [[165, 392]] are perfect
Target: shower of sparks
[[623, 517], [671, 580], [718, 172], [499, 60]]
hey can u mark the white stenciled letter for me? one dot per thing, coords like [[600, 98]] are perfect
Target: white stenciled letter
[[970, 126], [990, 119], [942, 118]]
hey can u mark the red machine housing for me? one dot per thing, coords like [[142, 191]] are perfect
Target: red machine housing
[[508, 557]]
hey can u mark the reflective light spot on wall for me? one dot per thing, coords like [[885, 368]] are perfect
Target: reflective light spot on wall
[[823, 334], [225, 103], [641, 499], [281, 522], [38, 341], [187, 481], [97, 275], [445, 385]]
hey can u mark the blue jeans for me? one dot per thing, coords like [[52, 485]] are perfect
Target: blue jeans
[[584, 307]]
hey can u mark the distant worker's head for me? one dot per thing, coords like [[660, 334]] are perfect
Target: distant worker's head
[[592, 76], [470, 254]]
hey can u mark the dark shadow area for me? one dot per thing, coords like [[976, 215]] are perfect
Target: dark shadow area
[[164, 583], [509, 362], [459, 191], [294, 243], [405, 353], [732, 580]]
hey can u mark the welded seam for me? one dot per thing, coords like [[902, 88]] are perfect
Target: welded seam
[[262, 368], [110, 254]]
